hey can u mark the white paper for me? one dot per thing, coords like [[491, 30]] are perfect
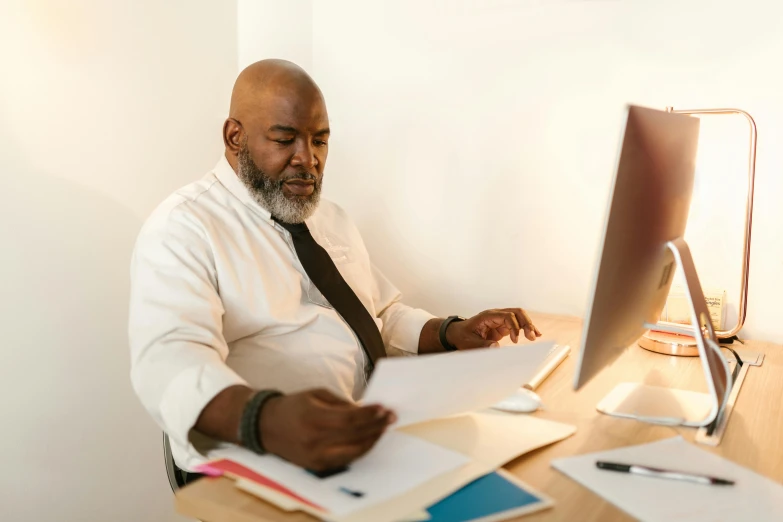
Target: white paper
[[753, 497], [397, 463], [434, 386]]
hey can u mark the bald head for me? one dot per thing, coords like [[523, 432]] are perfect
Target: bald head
[[266, 79], [276, 135]]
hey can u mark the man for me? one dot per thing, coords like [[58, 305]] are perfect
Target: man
[[256, 313]]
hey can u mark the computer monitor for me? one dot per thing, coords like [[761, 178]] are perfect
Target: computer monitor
[[641, 247]]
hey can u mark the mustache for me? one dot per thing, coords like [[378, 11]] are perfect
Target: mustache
[[305, 176]]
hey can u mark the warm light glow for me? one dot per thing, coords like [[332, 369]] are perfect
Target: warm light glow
[[716, 223]]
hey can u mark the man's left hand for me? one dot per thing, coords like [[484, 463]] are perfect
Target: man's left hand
[[487, 328]]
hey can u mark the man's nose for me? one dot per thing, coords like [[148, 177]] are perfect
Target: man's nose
[[304, 157]]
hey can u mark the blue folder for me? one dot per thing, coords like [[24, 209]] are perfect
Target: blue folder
[[490, 496]]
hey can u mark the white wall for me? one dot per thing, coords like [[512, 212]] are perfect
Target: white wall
[[105, 107], [474, 142], [275, 29]]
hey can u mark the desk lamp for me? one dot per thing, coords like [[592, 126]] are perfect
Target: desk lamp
[[682, 345]]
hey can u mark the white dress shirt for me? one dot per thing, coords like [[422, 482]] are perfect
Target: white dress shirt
[[219, 298]]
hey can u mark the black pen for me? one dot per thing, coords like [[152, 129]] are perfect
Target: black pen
[[663, 473]]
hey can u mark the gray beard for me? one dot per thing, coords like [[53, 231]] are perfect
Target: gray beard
[[269, 192]]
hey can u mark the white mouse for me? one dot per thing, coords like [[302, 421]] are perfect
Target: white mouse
[[523, 401]]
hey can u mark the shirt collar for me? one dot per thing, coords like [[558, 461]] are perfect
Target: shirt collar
[[224, 172]]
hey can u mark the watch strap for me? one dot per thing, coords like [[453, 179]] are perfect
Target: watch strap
[[442, 332]]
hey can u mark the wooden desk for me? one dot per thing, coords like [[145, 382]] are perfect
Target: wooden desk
[[752, 438]]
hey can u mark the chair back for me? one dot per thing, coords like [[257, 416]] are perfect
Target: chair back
[[171, 469]]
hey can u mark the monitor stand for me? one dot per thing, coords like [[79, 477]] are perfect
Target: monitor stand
[[661, 405]]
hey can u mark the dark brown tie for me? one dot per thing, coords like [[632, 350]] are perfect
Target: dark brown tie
[[324, 274]]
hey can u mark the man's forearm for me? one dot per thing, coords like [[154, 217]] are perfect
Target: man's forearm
[[221, 417], [429, 341]]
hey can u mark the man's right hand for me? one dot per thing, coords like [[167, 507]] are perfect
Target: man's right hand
[[318, 431]]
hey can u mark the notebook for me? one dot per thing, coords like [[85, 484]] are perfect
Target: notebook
[[493, 497]]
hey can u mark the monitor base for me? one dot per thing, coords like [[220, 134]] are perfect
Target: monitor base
[[658, 405]]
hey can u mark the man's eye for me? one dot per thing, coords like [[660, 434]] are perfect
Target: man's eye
[[321, 143], [285, 142]]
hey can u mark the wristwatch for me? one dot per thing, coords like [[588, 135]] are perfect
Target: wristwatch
[[442, 332]]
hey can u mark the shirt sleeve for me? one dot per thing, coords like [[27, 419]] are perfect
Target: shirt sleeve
[[175, 326], [402, 324]]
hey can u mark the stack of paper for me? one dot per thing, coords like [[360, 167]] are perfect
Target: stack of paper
[[398, 463], [439, 445], [430, 461]]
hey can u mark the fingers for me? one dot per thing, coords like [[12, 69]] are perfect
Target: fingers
[[339, 455], [515, 330], [350, 420], [523, 319], [319, 430], [491, 326], [538, 334], [350, 436], [334, 411], [346, 422], [349, 416], [531, 332], [348, 432], [503, 322], [337, 432]]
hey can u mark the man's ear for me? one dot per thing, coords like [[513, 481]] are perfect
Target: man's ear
[[233, 134]]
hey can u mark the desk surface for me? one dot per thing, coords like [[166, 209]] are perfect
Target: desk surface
[[751, 438]]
